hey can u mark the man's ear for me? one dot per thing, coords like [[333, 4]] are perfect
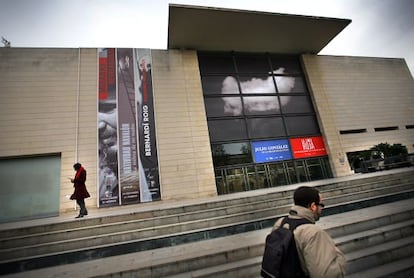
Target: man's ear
[[313, 206]]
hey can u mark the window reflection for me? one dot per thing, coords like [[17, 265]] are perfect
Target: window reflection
[[297, 104], [251, 97], [257, 85], [216, 64], [261, 105], [233, 153], [252, 64], [300, 86], [301, 125], [265, 128], [277, 174], [291, 64], [214, 85], [226, 106], [285, 84], [225, 130]]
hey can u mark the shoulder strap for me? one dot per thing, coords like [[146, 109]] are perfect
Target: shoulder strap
[[294, 223]]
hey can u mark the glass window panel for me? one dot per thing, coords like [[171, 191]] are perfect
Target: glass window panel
[[278, 175], [232, 153], [225, 106], [291, 171], [300, 85], [301, 171], [326, 166], [262, 178], [258, 84], [222, 130], [296, 104], [315, 169], [235, 180], [251, 64], [290, 64], [216, 64], [285, 84], [301, 125], [261, 105], [265, 127], [251, 178], [230, 85], [214, 85], [220, 184]]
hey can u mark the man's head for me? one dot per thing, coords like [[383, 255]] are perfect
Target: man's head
[[76, 166], [310, 198]]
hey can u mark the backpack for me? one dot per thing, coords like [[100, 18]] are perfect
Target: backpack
[[280, 258]]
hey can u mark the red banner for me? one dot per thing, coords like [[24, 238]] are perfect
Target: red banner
[[103, 78], [308, 147]]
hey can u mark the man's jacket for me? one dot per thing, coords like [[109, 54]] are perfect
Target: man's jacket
[[318, 254]]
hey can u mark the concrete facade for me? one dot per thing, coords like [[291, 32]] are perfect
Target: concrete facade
[[186, 166], [361, 93], [48, 105]]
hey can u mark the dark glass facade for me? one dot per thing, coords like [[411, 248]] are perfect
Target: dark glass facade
[[253, 99]]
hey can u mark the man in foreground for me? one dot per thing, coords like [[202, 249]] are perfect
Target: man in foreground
[[318, 255]]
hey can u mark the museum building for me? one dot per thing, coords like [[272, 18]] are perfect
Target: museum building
[[239, 101]]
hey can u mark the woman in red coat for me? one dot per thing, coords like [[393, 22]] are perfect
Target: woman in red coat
[[80, 193]]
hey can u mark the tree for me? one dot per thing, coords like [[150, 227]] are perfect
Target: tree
[[390, 150]]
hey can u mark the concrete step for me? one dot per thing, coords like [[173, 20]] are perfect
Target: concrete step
[[150, 215], [228, 254], [246, 268], [199, 228], [391, 248], [65, 232], [374, 236], [401, 268], [33, 235], [380, 254], [250, 267], [396, 240], [92, 247]]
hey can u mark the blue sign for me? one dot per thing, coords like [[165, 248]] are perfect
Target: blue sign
[[275, 150]]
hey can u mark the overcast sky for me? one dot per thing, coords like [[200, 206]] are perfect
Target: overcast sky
[[379, 28]]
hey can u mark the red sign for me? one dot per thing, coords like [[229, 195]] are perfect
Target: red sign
[[308, 147]]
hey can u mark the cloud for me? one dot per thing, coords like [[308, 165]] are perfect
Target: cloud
[[233, 105]]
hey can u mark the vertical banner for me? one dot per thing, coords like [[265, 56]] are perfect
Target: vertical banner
[[148, 157], [107, 130], [127, 145], [128, 157]]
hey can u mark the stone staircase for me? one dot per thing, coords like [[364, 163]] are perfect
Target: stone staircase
[[178, 230]]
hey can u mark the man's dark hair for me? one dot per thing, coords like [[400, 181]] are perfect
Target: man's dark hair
[[77, 166], [304, 196]]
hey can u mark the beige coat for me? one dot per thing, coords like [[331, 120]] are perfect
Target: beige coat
[[318, 254]]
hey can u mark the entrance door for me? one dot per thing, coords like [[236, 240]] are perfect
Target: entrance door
[[235, 180]]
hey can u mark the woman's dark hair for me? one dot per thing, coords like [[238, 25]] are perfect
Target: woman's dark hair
[[76, 166], [304, 196]]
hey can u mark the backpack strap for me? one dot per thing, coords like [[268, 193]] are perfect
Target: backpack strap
[[294, 223]]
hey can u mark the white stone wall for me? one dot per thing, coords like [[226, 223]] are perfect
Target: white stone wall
[[47, 107], [48, 104], [361, 93], [186, 166]]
